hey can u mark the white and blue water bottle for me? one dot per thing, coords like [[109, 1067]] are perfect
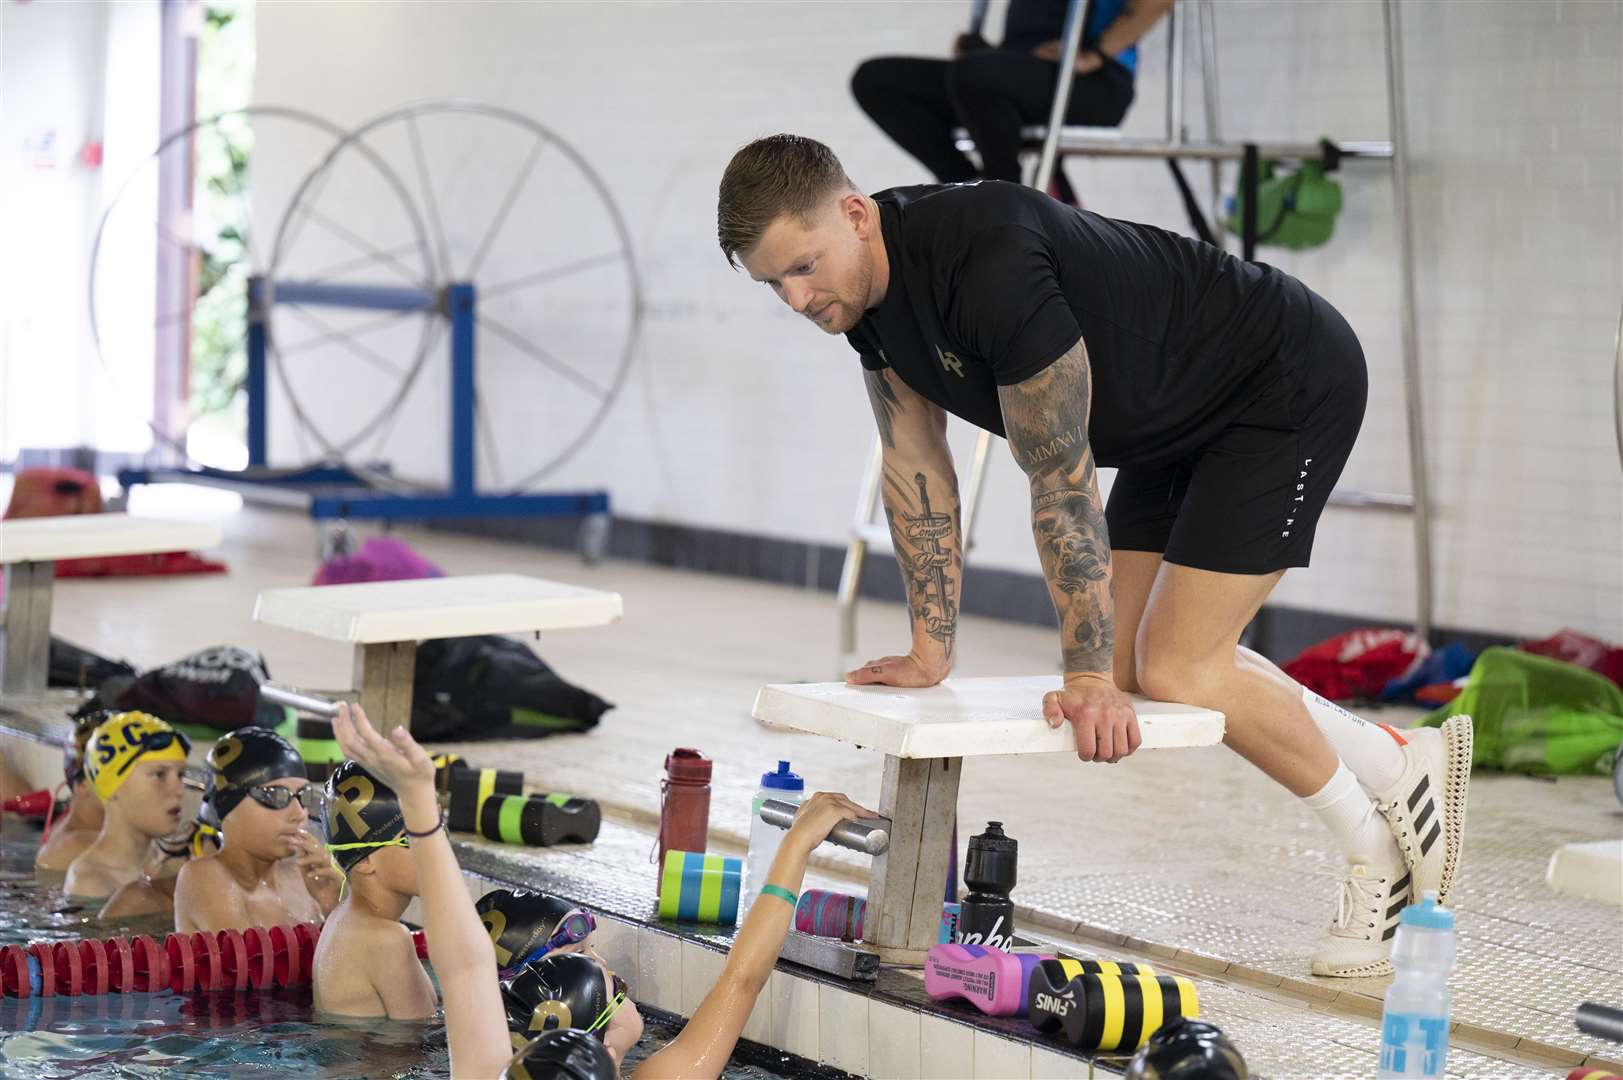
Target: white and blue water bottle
[[1414, 1026], [784, 786]]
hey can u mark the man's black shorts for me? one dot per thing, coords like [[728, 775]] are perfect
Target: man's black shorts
[[1249, 501]]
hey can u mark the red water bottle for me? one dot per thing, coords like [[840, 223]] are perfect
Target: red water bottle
[[684, 804]]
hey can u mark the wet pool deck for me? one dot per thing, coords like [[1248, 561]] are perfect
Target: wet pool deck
[[1190, 860]]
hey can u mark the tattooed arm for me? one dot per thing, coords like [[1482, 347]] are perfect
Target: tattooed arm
[[920, 492], [1046, 416]]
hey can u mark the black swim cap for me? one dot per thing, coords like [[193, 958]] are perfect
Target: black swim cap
[[73, 754], [520, 921], [363, 814], [565, 990], [570, 1054], [246, 758], [1183, 1049]]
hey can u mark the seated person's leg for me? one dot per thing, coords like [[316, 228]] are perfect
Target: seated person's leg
[[998, 91], [907, 98]]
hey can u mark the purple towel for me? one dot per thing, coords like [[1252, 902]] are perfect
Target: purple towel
[[380, 558]]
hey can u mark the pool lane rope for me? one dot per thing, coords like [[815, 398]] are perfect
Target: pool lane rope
[[254, 959]]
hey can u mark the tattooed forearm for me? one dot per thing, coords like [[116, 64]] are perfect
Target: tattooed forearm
[[885, 405], [923, 515], [1046, 417]]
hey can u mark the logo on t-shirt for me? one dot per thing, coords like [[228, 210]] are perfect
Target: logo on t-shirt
[[951, 362]]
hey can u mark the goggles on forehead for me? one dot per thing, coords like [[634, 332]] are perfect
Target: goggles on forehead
[[575, 927], [150, 742], [275, 797]]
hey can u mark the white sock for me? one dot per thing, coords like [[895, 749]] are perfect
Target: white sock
[[1370, 750], [1349, 813]]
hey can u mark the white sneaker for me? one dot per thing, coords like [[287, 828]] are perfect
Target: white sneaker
[[1359, 941], [1426, 806]]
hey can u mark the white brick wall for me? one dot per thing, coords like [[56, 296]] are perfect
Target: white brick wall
[[739, 418]]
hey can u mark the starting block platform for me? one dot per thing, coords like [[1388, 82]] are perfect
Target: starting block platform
[[925, 735], [384, 621], [29, 550]]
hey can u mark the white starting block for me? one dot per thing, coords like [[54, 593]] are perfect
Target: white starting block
[[29, 550], [925, 735], [384, 621], [1592, 869]]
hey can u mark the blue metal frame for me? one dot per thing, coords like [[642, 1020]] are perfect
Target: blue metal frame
[[337, 492]]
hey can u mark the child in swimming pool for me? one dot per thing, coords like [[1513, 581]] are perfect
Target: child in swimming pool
[[72, 834], [271, 871], [134, 762], [365, 962], [465, 960]]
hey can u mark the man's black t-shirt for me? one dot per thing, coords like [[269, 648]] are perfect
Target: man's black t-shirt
[[991, 282]]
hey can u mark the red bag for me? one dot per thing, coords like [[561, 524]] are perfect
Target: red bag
[[54, 493], [1358, 663], [59, 492], [1582, 650]]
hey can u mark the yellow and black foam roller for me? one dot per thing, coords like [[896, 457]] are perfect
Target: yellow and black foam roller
[[1104, 1010], [470, 788]]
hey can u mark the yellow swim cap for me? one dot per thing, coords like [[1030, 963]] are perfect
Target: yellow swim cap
[[121, 739]]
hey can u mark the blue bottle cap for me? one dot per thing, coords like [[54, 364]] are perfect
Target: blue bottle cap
[[783, 779], [1428, 914]]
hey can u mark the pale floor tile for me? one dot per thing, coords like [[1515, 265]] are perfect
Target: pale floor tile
[[997, 1058], [616, 942], [759, 1026], [842, 1031], [659, 970], [1047, 1065], [795, 1007], [946, 1049], [700, 968], [893, 1042]]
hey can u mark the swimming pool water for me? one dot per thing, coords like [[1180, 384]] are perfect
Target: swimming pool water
[[270, 1033]]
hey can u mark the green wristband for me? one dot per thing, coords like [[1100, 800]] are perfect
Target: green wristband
[[781, 893]]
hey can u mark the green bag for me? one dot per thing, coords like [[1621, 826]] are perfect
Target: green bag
[[1295, 210], [1532, 714]]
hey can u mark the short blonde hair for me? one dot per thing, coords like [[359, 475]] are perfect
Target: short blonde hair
[[770, 178]]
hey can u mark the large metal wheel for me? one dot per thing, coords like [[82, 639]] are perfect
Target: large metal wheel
[[207, 240], [506, 205]]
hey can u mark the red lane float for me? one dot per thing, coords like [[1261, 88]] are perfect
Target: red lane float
[[120, 965], [151, 966], [254, 959], [419, 941], [261, 958], [182, 963], [286, 955], [206, 954], [14, 978], [233, 960], [93, 959], [69, 970]]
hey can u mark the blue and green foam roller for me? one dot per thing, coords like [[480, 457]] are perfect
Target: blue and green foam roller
[[700, 888]]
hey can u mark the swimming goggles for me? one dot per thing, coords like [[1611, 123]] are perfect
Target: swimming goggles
[[575, 927], [150, 742], [274, 797], [613, 1007]]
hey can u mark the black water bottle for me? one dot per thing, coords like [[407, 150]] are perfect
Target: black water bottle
[[986, 916]]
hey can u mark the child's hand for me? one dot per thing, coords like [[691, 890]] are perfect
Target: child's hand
[[315, 866], [396, 760], [819, 814]]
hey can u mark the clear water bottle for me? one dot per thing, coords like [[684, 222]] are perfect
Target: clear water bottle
[[784, 786], [1414, 1027]]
